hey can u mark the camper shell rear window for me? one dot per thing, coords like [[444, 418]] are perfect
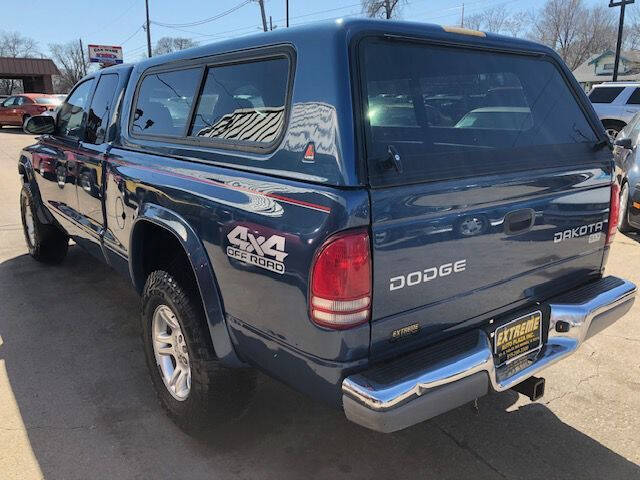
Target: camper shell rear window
[[454, 112]]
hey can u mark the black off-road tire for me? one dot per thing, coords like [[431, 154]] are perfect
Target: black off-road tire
[[48, 244], [217, 394], [623, 224]]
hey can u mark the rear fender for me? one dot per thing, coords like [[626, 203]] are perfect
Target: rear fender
[[205, 278]]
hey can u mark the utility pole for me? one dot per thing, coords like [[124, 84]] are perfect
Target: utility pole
[[287, 10], [462, 17], [621, 4], [84, 62], [270, 23], [148, 29], [264, 17]]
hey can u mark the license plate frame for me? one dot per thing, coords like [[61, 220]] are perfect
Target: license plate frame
[[509, 344]]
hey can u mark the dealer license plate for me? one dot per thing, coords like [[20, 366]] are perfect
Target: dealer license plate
[[518, 337]]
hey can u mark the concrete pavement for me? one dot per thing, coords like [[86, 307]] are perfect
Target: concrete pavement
[[76, 402]]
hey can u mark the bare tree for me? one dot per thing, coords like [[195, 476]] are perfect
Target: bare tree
[[381, 8], [172, 44], [574, 30], [631, 33], [71, 62], [13, 45], [497, 20]]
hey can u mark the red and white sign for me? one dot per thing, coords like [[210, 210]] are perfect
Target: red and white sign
[[105, 54]]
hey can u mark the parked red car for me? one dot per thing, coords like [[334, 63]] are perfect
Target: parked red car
[[17, 108]]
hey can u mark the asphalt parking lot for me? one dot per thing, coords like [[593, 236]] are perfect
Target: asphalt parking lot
[[76, 402]]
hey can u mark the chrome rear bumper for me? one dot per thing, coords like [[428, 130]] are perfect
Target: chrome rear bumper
[[421, 385]]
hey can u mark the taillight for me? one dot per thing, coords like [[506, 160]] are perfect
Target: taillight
[[41, 108], [341, 282], [614, 212]]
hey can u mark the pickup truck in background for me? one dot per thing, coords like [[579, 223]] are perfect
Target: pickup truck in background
[[394, 218]]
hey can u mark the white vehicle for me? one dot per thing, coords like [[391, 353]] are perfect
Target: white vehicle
[[615, 103]]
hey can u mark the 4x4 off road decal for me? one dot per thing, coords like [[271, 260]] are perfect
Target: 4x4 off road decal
[[267, 253]]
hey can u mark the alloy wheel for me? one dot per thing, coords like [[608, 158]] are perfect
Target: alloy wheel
[[171, 353], [28, 220], [612, 132], [624, 199]]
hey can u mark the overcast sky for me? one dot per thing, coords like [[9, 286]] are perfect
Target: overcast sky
[[118, 22]]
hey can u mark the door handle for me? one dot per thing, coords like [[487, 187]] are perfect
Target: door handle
[[519, 221]]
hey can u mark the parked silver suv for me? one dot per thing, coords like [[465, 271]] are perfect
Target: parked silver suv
[[615, 103]]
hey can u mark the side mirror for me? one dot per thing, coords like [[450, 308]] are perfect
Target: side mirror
[[624, 143], [40, 125]]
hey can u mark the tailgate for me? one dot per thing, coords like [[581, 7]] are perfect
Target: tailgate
[[446, 256], [490, 186]]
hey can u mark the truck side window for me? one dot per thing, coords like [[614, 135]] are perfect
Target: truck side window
[[71, 117], [164, 102], [243, 102], [101, 108]]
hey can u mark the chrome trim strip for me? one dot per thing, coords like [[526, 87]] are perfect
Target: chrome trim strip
[[559, 345]]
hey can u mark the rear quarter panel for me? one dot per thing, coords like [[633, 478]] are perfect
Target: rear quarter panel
[[270, 195], [215, 201], [265, 311]]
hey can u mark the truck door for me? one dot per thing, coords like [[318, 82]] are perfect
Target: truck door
[[56, 158], [89, 161]]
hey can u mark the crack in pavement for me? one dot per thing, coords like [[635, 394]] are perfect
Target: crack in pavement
[[629, 339], [465, 446], [559, 397], [580, 382], [46, 427]]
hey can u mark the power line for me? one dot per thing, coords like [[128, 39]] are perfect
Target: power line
[[344, 7], [250, 29], [108, 24], [318, 12], [131, 36], [478, 4], [209, 35], [137, 49], [206, 20]]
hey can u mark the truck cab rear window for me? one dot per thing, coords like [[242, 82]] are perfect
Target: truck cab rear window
[[243, 102], [452, 112], [164, 102]]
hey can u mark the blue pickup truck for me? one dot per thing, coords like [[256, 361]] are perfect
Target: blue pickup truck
[[394, 218]]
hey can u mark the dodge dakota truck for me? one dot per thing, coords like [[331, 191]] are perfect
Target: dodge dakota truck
[[394, 218]]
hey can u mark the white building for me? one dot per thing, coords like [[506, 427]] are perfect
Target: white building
[[599, 68]]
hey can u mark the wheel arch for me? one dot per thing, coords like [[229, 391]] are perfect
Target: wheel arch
[[613, 120], [155, 216], [25, 169], [28, 179]]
